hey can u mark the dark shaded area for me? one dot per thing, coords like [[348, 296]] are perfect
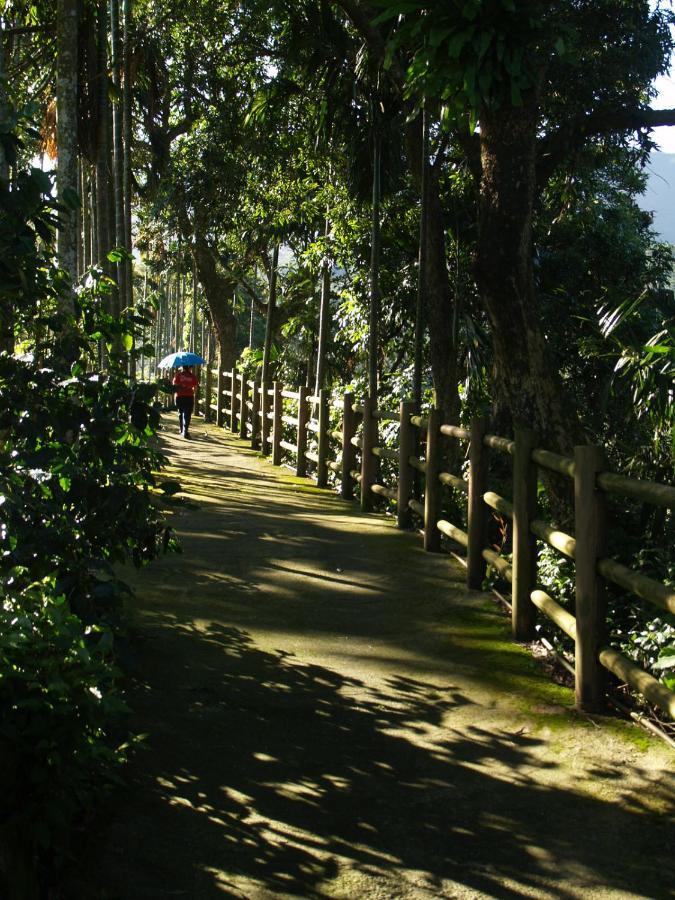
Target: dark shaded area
[[268, 774]]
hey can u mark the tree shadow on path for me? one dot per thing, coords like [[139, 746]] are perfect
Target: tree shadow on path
[[271, 778]]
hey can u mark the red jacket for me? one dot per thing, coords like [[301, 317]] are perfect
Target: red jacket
[[185, 384]]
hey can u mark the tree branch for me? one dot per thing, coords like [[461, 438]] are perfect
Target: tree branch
[[361, 16], [554, 147]]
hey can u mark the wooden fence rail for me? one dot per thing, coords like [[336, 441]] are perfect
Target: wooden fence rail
[[298, 428]]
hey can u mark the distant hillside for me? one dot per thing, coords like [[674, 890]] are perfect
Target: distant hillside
[[659, 197]]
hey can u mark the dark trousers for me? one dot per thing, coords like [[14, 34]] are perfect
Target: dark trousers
[[185, 405]]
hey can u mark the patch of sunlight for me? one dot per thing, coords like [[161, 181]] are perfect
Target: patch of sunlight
[[274, 685], [236, 796], [265, 757], [218, 821], [165, 783], [293, 790], [186, 779], [177, 800], [337, 781], [336, 582]]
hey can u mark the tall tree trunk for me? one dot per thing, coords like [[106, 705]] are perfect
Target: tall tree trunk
[[218, 291], [67, 187], [422, 264], [527, 391], [271, 308], [6, 311], [251, 314], [374, 312], [118, 153], [79, 222], [324, 313], [103, 146], [127, 128], [438, 299], [195, 296], [86, 214]]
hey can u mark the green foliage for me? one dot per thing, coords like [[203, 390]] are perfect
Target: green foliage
[[61, 706], [77, 485]]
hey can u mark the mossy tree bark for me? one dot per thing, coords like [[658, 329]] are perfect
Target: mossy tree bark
[[527, 389]]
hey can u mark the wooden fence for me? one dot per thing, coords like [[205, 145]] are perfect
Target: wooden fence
[[263, 413]]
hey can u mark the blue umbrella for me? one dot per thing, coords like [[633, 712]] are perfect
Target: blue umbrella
[[182, 358]]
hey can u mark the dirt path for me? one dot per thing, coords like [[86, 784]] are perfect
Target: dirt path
[[331, 715]]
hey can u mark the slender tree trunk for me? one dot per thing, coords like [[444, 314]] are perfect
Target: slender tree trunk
[[103, 148], [66, 137], [250, 323], [118, 154], [93, 217], [271, 308], [527, 390], [4, 165], [324, 314], [6, 311], [127, 129], [79, 224], [422, 265], [439, 306], [374, 316], [195, 297], [86, 215]]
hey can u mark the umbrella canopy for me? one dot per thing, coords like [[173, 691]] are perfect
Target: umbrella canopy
[[182, 358]]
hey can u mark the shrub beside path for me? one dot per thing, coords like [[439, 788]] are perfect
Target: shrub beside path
[[331, 714]]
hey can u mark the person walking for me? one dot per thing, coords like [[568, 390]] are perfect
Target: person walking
[[185, 383]]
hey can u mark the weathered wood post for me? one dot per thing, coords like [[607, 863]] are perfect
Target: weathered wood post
[[406, 473], [590, 598], [432, 486], [277, 412], [523, 610], [322, 451], [303, 418], [477, 527], [368, 459], [243, 414], [255, 414], [234, 404], [219, 398], [208, 394], [264, 417]]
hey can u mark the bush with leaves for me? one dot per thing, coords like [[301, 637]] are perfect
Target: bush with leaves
[[77, 498]]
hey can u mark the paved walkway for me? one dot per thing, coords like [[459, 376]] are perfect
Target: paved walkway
[[330, 714]]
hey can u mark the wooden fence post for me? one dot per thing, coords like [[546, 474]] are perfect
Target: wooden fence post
[[233, 405], [432, 486], [219, 398], [303, 417], [322, 452], [208, 394], [590, 598], [368, 460], [523, 610], [264, 417], [243, 414], [348, 449], [255, 414], [406, 449], [477, 528], [277, 412]]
